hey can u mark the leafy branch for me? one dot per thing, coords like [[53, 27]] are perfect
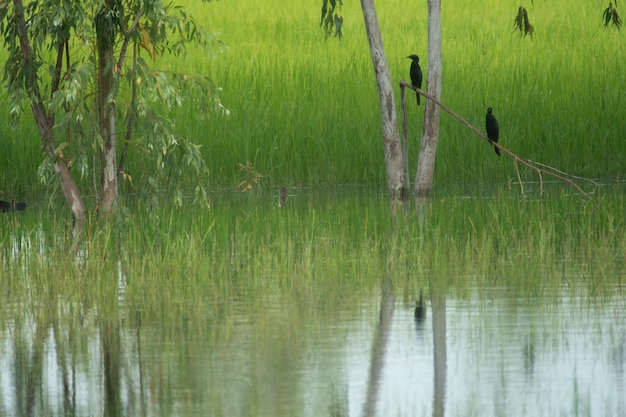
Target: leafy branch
[[522, 23], [610, 16], [330, 19]]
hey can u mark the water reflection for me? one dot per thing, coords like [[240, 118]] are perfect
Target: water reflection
[[379, 347], [440, 352], [556, 354]]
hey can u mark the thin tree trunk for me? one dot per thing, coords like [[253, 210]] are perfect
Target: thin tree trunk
[[405, 147], [430, 133], [391, 138], [105, 32], [45, 122]]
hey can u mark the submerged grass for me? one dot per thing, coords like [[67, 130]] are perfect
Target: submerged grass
[[326, 248]]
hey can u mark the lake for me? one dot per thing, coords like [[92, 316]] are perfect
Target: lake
[[562, 353], [291, 319]]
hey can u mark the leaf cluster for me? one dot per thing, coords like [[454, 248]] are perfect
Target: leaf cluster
[[522, 23], [330, 20], [610, 15]]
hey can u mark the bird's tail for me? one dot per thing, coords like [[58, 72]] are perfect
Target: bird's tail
[[495, 148], [418, 98]]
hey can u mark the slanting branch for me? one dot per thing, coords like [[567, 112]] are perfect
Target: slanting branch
[[131, 117], [127, 39], [540, 169], [45, 121], [120, 62]]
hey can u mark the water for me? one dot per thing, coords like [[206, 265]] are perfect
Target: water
[[559, 353], [540, 331]]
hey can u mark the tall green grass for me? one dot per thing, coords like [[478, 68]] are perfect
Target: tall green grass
[[324, 247], [304, 110]]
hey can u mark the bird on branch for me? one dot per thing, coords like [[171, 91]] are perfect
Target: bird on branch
[[416, 74], [493, 129]]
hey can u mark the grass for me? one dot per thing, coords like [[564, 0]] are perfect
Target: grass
[[324, 248], [317, 109], [246, 279], [304, 111]]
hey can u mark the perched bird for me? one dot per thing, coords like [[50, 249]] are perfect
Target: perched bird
[[493, 129], [416, 74], [12, 206]]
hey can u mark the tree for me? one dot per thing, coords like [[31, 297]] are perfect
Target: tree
[[430, 133], [395, 155], [391, 138], [395, 160], [68, 62]]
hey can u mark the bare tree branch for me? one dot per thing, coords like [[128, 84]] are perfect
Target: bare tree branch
[[540, 169]]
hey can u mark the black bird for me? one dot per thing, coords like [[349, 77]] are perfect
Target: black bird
[[416, 74], [12, 206], [493, 129]]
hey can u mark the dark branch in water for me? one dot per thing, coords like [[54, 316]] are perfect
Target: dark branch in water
[[12, 206]]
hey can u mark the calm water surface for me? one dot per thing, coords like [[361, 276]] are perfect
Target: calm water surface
[[558, 354], [476, 351]]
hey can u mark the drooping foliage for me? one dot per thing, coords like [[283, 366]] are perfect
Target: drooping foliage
[[522, 23], [69, 59], [610, 15], [331, 20]]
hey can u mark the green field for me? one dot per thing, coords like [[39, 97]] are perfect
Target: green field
[[304, 111]]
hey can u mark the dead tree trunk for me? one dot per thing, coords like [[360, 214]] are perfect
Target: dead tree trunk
[[398, 189], [428, 147]]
